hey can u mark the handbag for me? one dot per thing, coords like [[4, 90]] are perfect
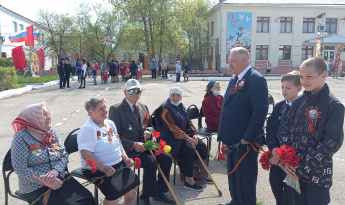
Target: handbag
[[199, 172]]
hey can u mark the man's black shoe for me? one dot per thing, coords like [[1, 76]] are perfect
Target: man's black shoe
[[62, 88], [145, 201], [228, 203], [164, 197]]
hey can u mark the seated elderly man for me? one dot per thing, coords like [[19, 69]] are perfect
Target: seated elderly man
[[134, 127]]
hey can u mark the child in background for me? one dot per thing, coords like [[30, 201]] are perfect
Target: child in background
[[291, 86], [105, 77], [315, 129]]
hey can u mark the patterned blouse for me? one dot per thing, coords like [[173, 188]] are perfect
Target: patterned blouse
[[29, 158]]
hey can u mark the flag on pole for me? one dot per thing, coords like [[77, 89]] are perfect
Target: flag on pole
[[30, 41], [321, 15], [36, 35], [19, 37], [18, 58], [41, 55]]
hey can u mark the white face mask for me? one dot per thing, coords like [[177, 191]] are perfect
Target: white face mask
[[216, 92], [176, 104]]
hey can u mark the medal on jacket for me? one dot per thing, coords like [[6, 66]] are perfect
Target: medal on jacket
[[130, 127], [239, 86], [313, 115], [98, 135]]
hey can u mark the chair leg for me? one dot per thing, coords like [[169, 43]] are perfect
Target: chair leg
[[209, 140], [138, 187], [218, 149], [95, 193], [174, 171]]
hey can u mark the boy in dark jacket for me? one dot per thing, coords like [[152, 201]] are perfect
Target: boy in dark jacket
[[315, 129], [291, 86]]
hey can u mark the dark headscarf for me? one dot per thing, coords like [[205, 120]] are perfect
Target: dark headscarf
[[209, 86]]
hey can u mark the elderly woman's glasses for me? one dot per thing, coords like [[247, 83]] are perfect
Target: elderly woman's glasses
[[131, 91]]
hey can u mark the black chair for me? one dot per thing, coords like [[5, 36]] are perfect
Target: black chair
[[7, 170], [71, 146], [270, 102]]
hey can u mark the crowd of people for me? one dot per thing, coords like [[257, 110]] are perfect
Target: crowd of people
[[311, 123]]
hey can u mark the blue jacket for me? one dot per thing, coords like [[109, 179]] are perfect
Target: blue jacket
[[244, 113]]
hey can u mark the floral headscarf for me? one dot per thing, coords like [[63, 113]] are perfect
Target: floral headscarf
[[32, 116]]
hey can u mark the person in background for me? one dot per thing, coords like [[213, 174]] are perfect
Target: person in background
[[291, 86], [37, 149], [83, 73], [73, 64], [112, 71], [314, 128], [61, 71], [123, 69], [68, 70], [153, 66], [212, 105], [134, 70], [330, 67], [268, 67], [94, 73], [140, 70], [105, 77], [88, 68], [185, 72], [103, 69], [98, 140], [164, 69], [78, 67], [178, 71], [117, 69]]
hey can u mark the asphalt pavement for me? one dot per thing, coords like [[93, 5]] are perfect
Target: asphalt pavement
[[67, 110]]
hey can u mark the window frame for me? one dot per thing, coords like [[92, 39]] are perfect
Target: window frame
[[328, 25], [261, 49], [284, 21], [284, 49], [305, 49], [307, 21], [262, 22]]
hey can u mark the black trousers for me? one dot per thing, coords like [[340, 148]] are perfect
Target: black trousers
[[164, 74], [71, 193], [154, 74], [178, 76], [66, 79], [281, 191], [61, 80], [187, 156], [242, 183], [151, 186], [311, 194]]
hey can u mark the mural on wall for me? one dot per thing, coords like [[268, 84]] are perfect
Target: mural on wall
[[239, 29]]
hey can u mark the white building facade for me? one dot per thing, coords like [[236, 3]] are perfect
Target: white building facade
[[280, 31]]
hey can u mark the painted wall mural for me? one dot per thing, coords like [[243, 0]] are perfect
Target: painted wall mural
[[239, 30]]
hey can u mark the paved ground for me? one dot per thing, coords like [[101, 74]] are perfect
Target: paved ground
[[67, 109]]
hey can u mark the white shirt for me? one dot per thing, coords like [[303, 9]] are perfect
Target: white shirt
[[240, 76], [290, 103], [84, 69], [106, 147], [131, 105]]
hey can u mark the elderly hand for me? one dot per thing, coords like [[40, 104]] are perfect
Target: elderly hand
[[244, 142], [129, 162], [195, 138], [56, 183], [147, 135], [108, 171], [290, 170], [191, 141], [139, 147], [51, 175]]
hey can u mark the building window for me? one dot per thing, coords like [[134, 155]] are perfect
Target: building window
[[15, 26], [21, 27], [262, 24], [308, 25], [212, 28], [284, 52], [307, 52], [331, 26], [261, 52], [285, 25]]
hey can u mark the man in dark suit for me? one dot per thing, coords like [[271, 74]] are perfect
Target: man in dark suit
[[68, 70], [244, 110], [61, 71], [134, 127]]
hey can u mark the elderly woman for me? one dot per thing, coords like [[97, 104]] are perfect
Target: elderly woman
[[212, 105], [37, 149], [98, 140], [179, 132]]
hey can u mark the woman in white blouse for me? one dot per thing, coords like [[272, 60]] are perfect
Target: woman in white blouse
[[98, 140]]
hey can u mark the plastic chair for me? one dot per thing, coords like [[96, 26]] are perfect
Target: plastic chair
[[7, 170], [71, 146]]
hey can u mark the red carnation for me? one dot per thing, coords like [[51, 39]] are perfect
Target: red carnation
[[224, 150], [156, 134], [137, 163], [89, 162], [288, 156], [265, 160], [221, 157]]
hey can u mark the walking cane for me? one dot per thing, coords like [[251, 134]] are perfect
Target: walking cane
[[165, 179], [209, 174]]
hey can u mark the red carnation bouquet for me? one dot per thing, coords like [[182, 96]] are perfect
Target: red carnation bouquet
[[223, 152], [287, 155]]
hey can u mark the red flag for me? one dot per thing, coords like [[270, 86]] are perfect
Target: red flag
[[41, 55], [18, 58], [30, 41], [343, 18]]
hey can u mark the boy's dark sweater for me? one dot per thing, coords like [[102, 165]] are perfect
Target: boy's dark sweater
[[273, 123], [316, 148]]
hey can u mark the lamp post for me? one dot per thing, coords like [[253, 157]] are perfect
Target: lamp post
[[80, 32]]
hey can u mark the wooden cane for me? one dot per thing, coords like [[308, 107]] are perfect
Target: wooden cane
[[166, 181], [209, 174]]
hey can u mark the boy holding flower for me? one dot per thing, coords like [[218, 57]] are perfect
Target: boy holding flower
[[315, 129], [291, 86]]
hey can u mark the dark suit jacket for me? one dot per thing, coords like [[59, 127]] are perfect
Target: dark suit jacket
[[273, 123], [128, 128], [244, 113]]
